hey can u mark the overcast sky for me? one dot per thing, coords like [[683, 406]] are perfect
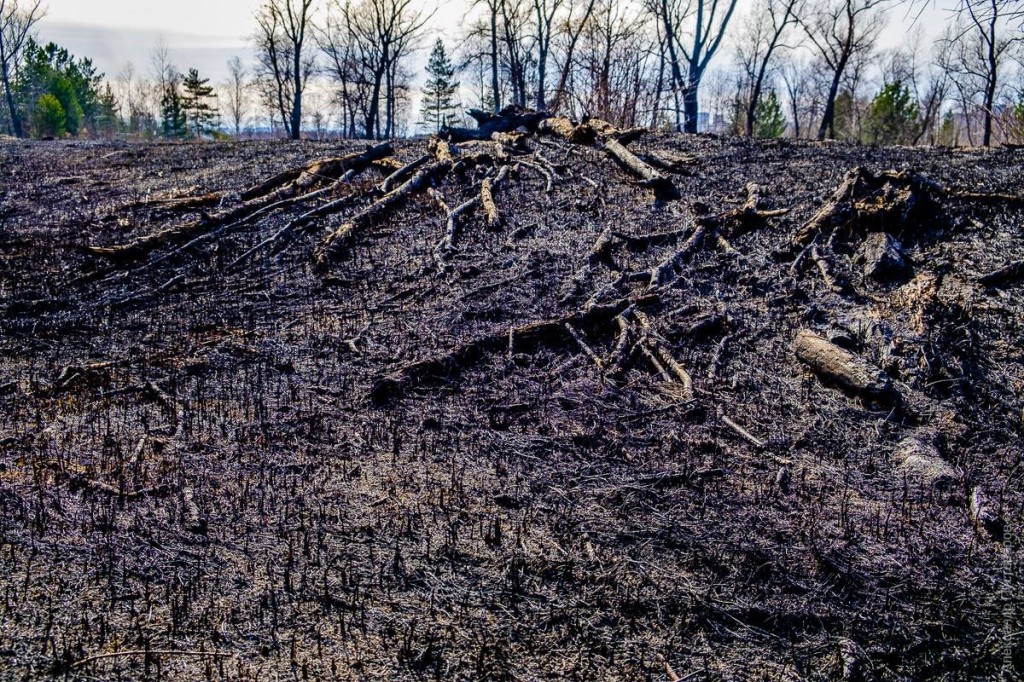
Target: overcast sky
[[206, 33]]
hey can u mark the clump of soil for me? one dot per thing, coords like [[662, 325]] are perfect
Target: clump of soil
[[556, 404]]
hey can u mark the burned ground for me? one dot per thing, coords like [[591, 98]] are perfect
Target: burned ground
[[482, 459]]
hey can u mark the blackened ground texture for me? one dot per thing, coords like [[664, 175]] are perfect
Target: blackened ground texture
[[513, 410]]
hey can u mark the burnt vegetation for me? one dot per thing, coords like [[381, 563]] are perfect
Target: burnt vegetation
[[568, 403]]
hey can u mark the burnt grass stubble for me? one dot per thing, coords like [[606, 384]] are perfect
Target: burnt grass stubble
[[195, 482]]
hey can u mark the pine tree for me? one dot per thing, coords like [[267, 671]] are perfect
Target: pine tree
[[769, 121], [892, 116], [439, 93], [200, 114], [51, 69], [173, 119], [107, 119]]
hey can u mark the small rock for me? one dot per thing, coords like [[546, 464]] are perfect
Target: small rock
[[782, 480], [919, 460], [882, 256], [986, 519], [930, 471]]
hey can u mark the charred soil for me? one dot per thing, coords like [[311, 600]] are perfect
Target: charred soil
[[568, 405]]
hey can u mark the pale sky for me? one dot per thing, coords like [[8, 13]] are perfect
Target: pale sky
[[199, 33], [206, 33]]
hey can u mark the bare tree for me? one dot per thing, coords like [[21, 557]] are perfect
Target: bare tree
[[840, 30], [284, 60], [236, 91], [612, 78], [473, 59], [803, 93], [573, 28], [345, 66], [493, 8], [545, 12], [16, 22], [161, 64], [979, 49], [694, 46], [366, 44], [759, 43], [518, 45]]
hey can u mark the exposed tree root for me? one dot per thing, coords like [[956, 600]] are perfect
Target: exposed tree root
[[664, 273], [319, 171], [613, 141], [339, 240], [507, 120], [825, 268], [298, 222], [522, 337], [986, 197], [549, 179], [281, 190], [187, 203], [742, 432], [866, 201]]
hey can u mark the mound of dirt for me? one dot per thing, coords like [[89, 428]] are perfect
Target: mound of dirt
[[572, 403]]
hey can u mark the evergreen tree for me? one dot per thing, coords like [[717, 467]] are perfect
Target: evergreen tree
[[200, 114], [892, 116], [769, 121], [51, 69], [48, 118], [107, 119], [64, 91], [173, 118], [439, 92]]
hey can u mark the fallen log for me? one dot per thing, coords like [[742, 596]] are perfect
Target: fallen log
[[662, 185], [491, 214], [331, 169], [403, 173], [560, 126], [842, 368]]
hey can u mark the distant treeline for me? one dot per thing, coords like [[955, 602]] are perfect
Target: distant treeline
[[347, 67]]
